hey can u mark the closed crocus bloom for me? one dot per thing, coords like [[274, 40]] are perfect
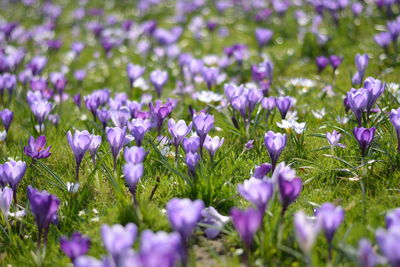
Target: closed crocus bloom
[[334, 138], [6, 197], [116, 140], [329, 218], [395, 120], [254, 96], [132, 174], [322, 62], [178, 130], [104, 116], [306, 230], [120, 117], [88, 261], [232, 91], [357, 101], [159, 249], [158, 78], [58, 81], [79, 143], [159, 112], [192, 160], [375, 88], [45, 207], [37, 149], [135, 154], [241, 103], [263, 36], [94, 146], [117, 238], [37, 64], [361, 62], [364, 137], [212, 144], [134, 72], [268, 103], [288, 184], [366, 255], [41, 109], [13, 171], [183, 215], [335, 61], [262, 170], [191, 144], [6, 116], [246, 223], [203, 124], [383, 39], [257, 191], [76, 246], [210, 76], [284, 104], [275, 143], [139, 127], [389, 244]]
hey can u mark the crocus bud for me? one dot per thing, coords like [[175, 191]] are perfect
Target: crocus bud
[[79, 143], [275, 143], [116, 138], [6, 197], [212, 144], [158, 78], [306, 230], [6, 116], [76, 246], [246, 223], [263, 36], [117, 238], [283, 104], [94, 146], [364, 137], [139, 127], [329, 218]]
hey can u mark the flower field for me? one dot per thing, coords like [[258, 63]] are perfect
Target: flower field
[[152, 133]]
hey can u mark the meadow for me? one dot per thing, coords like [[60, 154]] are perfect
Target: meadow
[[199, 133]]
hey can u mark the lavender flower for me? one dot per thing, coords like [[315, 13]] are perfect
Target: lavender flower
[[257, 191], [6, 116], [334, 138], [364, 137], [275, 143], [79, 143], [158, 78], [37, 149], [6, 197], [246, 223], [76, 246]]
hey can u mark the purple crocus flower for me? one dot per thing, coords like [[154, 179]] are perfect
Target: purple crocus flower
[[322, 62], [116, 138], [45, 207], [374, 88], [158, 78], [37, 64], [361, 64], [395, 120], [178, 130], [284, 104], [41, 110], [357, 101], [117, 238], [335, 61], [388, 242], [6, 116], [203, 124], [192, 160], [210, 76], [77, 100], [212, 144], [334, 138], [104, 116], [134, 72], [159, 112], [246, 223], [329, 218], [214, 222], [79, 143], [288, 184], [366, 255], [183, 215], [94, 146], [159, 249], [191, 144], [257, 191], [6, 197], [306, 230], [275, 143], [364, 137], [263, 36], [392, 218], [262, 170], [134, 169], [139, 127], [76, 246], [383, 39], [37, 149], [13, 172]]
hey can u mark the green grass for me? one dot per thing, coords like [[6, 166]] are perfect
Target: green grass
[[103, 197]]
